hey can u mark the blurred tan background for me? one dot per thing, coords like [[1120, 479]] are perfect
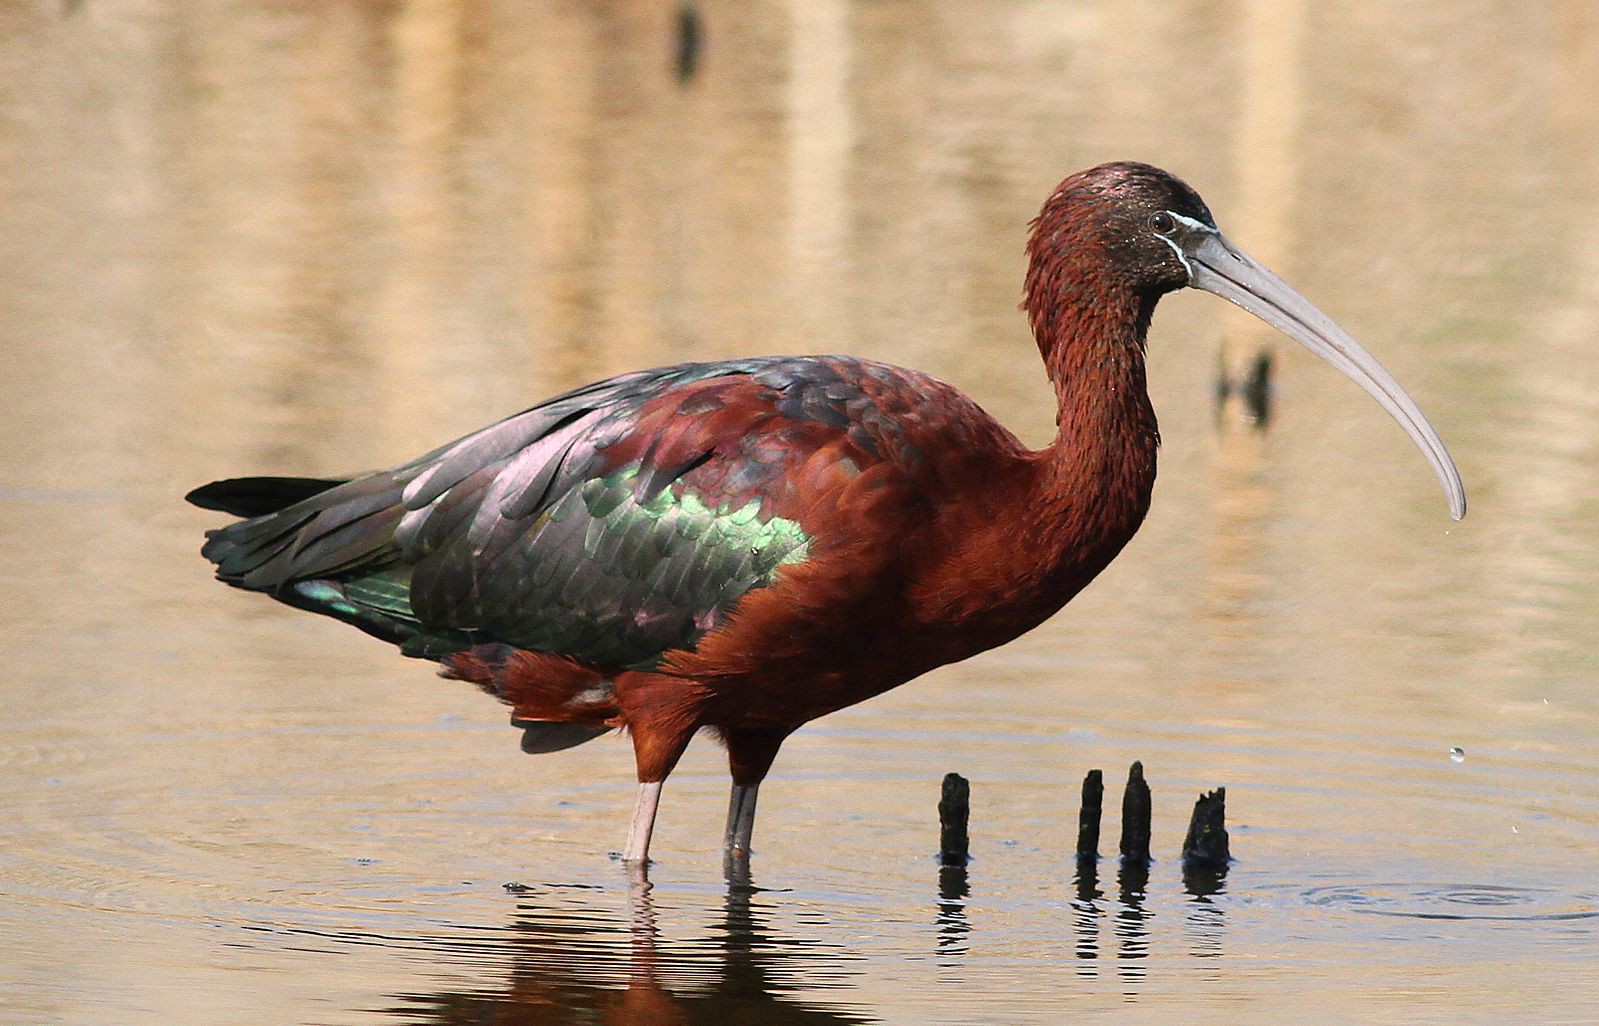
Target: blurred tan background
[[312, 238]]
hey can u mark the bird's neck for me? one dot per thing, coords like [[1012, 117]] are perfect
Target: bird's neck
[[1091, 486], [1039, 526]]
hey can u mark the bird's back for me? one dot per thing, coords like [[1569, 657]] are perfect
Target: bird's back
[[622, 521]]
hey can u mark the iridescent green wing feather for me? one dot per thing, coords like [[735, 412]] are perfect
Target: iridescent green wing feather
[[612, 578], [611, 524]]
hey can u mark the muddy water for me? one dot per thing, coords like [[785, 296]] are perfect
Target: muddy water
[[317, 238]]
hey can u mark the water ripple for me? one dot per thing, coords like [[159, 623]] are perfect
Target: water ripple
[[1461, 901]]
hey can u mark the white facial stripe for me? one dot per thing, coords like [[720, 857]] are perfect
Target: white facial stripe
[[1181, 257], [1191, 225]]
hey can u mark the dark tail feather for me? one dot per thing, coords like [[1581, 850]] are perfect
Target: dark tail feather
[[334, 532], [258, 496]]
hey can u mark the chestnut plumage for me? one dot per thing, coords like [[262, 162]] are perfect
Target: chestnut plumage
[[746, 545]]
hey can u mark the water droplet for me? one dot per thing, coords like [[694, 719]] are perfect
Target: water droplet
[[1457, 754]]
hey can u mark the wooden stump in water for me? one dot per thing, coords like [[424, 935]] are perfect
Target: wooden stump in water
[[1205, 850], [1205, 847], [954, 810], [1088, 816], [1135, 817]]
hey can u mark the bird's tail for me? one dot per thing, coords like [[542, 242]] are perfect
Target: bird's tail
[[322, 545], [301, 529], [258, 496]]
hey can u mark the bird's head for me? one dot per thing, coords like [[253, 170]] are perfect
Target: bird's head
[[1131, 231], [1123, 219]]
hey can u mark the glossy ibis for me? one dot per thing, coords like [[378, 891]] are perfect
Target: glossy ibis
[[746, 545]]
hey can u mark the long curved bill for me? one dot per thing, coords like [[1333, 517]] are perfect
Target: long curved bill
[[1217, 266]]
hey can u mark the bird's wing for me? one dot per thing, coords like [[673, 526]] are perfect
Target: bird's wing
[[610, 524]]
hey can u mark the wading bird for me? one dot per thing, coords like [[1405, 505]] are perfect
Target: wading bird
[[746, 545]]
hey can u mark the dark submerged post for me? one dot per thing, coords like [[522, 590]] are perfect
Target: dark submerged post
[[690, 41], [1135, 817], [1088, 816], [1205, 847], [1086, 912], [1251, 385], [954, 810]]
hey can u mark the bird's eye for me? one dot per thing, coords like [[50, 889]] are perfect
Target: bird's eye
[[1161, 222]]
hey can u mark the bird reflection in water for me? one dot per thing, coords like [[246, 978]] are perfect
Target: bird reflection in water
[[563, 969]]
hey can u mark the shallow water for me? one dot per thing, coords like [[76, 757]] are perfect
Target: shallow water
[[302, 240]]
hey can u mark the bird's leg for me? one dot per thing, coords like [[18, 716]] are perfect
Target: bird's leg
[[638, 835], [740, 819], [658, 743], [750, 752]]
